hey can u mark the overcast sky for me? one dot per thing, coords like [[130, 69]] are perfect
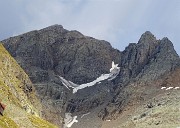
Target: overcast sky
[[118, 21]]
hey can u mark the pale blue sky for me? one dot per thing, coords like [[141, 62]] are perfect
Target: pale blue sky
[[118, 21]]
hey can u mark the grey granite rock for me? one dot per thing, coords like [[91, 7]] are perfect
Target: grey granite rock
[[53, 51]]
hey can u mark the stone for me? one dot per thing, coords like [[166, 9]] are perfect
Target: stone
[[54, 51]]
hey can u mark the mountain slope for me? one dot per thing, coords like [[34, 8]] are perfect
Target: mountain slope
[[144, 62], [18, 94], [150, 106], [54, 52]]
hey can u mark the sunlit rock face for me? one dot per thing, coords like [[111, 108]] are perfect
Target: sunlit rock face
[[54, 54]]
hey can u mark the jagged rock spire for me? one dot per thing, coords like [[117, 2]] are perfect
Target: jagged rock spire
[[147, 37]]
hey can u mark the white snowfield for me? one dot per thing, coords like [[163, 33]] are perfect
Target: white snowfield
[[114, 71], [176, 87], [69, 120], [168, 88], [163, 87]]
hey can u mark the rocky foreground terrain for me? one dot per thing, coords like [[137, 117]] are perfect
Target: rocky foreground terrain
[[134, 99]]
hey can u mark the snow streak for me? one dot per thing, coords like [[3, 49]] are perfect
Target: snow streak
[[114, 71]]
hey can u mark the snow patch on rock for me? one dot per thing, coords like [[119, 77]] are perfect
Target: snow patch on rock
[[69, 120], [114, 71]]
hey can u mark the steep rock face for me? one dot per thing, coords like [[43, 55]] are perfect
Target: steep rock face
[[23, 109], [64, 52], [54, 51], [164, 59], [137, 55], [142, 58], [145, 61]]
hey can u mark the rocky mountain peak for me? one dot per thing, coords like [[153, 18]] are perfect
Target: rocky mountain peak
[[147, 37], [54, 51], [54, 27], [167, 45]]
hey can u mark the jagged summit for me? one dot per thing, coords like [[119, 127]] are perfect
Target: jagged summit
[[55, 26], [148, 33], [53, 29], [147, 37]]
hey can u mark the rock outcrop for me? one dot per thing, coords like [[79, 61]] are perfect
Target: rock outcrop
[[54, 51], [143, 62]]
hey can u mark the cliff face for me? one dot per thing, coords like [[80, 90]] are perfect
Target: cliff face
[[54, 51], [143, 62], [18, 94]]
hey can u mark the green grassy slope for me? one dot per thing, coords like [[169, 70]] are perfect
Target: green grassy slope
[[18, 94]]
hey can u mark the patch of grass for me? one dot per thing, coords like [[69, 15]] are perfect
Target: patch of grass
[[40, 123], [6, 122], [14, 93]]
